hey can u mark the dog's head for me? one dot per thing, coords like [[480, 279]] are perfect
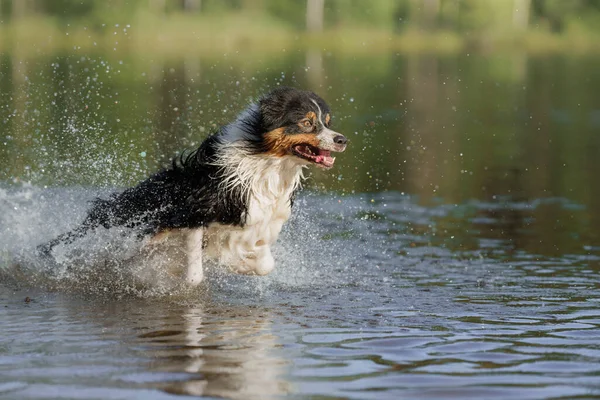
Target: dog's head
[[298, 123]]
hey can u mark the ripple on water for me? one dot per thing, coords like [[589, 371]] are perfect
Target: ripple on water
[[404, 311]]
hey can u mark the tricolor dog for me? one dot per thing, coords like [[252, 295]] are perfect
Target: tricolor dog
[[232, 195]]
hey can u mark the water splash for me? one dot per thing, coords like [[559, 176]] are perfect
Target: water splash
[[312, 249]]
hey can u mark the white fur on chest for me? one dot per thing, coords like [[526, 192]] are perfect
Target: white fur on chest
[[268, 183]]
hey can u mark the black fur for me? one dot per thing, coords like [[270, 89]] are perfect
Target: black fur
[[187, 194], [286, 106]]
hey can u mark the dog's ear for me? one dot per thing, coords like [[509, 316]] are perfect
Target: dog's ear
[[274, 106]]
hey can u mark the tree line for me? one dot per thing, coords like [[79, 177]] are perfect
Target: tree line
[[462, 16]]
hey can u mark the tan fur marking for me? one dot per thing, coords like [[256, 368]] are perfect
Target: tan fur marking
[[279, 143], [327, 119], [311, 115]]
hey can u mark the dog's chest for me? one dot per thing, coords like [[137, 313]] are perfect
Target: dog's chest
[[268, 208]]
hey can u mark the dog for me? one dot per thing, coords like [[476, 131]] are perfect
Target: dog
[[230, 197]]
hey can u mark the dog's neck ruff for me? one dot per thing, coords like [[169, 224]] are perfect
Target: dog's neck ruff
[[243, 127], [267, 185], [265, 179]]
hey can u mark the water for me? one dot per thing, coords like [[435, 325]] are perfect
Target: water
[[453, 252]]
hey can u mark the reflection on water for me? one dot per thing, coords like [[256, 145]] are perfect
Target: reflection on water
[[453, 251], [456, 128], [222, 352], [423, 301], [210, 351]]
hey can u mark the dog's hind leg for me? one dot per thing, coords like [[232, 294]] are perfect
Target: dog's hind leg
[[194, 273]]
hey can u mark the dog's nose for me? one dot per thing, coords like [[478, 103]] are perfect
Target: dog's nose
[[340, 139]]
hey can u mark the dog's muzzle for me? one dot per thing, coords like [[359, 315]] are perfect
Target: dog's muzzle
[[331, 140]]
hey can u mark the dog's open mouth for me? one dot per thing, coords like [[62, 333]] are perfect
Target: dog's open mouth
[[311, 153]]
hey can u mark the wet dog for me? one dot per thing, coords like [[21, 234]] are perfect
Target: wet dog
[[232, 195]]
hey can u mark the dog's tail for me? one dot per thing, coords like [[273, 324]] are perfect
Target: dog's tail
[[45, 250], [99, 214]]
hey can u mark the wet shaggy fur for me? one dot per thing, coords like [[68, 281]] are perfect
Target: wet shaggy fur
[[221, 184], [185, 195]]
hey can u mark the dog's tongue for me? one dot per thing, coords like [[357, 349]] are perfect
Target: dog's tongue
[[324, 157]]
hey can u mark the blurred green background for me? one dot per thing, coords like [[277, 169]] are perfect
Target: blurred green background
[[171, 26]]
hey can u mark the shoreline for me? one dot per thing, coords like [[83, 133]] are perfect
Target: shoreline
[[174, 36]]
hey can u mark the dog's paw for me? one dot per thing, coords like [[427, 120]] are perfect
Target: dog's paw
[[256, 263], [194, 278], [265, 267]]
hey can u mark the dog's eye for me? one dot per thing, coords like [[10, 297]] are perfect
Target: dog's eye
[[307, 123]]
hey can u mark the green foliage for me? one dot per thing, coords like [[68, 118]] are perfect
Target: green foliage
[[555, 12], [290, 11], [67, 9], [362, 13], [219, 6], [474, 15], [466, 17]]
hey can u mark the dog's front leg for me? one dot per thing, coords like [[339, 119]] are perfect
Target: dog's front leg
[[194, 257]]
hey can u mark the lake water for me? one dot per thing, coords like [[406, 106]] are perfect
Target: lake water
[[452, 252]]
